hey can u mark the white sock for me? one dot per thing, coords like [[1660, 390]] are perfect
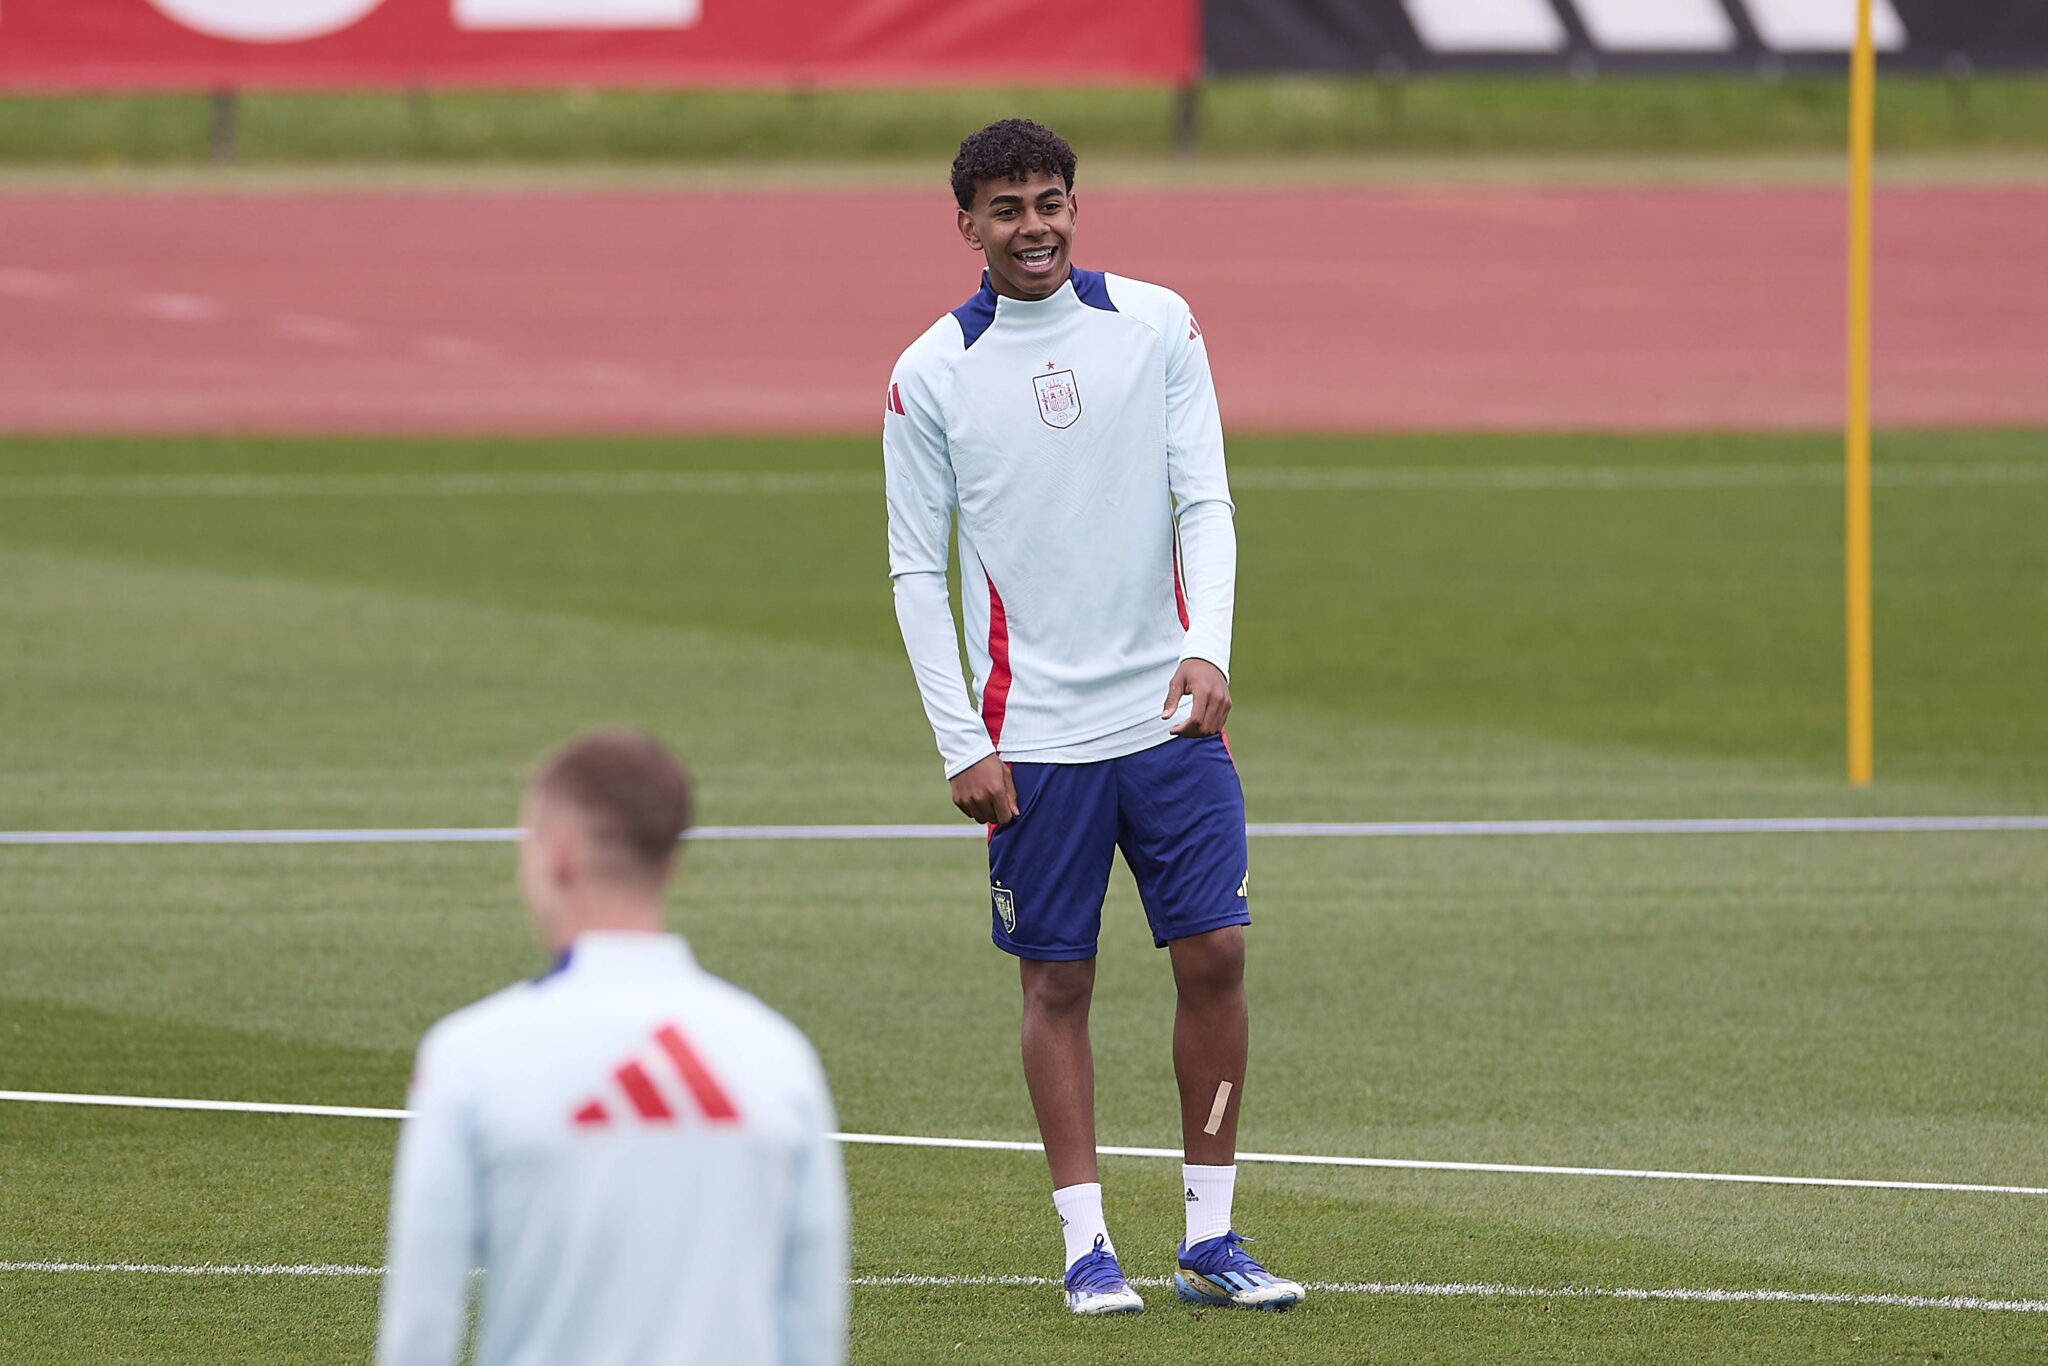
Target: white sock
[[1081, 1220], [1207, 1191]]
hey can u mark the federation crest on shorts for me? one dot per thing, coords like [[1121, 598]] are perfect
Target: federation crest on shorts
[[1059, 398], [1006, 908]]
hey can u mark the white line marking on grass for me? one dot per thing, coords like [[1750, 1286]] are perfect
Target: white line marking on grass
[[1428, 1289], [1337, 479], [1484, 1290], [1010, 1145], [199, 1269], [1418, 1164], [1758, 825], [239, 1107], [499, 835], [1733, 825]]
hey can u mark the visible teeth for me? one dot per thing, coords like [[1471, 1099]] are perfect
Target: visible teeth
[[1036, 255]]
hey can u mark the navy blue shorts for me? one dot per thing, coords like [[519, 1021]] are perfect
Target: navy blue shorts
[[1177, 812]]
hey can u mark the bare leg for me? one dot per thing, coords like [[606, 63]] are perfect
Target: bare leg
[[1211, 1036], [1059, 1068]]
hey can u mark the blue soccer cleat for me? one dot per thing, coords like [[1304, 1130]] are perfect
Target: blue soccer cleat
[[1219, 1271], [1096, 1285]]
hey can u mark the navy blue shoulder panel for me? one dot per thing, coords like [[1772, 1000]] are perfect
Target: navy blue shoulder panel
[[1093, 290], [977, 313]]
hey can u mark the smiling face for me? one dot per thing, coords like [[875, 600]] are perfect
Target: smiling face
[[1025, 231]]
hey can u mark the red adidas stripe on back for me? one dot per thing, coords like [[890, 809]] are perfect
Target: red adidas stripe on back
[[639, 1088], [704, 1088]]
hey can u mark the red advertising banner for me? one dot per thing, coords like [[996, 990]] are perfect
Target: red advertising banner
[[214, 44]]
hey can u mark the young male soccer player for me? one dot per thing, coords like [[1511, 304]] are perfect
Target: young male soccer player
[[637, 1154], [1063, 423]]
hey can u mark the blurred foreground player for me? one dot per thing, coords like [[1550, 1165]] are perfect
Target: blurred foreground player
[[1062, 422], [637, 1154]]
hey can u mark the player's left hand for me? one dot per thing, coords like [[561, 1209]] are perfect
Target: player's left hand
[[1211, 692]]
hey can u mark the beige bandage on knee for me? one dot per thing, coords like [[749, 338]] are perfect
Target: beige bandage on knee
[[1216, 1110]]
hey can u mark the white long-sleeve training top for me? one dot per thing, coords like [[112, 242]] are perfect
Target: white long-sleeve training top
[[1074, 442], [638, 1155]]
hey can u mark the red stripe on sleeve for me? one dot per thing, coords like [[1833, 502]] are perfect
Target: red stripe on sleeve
[[1180, 597], [710, 1096], [639, 1089], [896, 399], [591, 1116], [995, 698]]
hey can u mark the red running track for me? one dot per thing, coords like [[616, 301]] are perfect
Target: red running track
[[1339, 309]]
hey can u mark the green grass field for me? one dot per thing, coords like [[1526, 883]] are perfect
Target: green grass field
[[288, 633], [1244, 117]]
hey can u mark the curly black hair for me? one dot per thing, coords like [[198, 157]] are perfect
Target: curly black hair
[[1009, 149]]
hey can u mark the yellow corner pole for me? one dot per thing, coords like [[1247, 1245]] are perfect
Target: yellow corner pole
[[1862, 117]]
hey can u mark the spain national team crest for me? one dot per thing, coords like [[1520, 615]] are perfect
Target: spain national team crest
[[1006, 908], [1059, 398]]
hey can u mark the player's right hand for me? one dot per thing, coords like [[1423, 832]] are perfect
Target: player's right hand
[[986, 793]]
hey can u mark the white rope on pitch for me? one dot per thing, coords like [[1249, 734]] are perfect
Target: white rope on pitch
[[1424, 1289], [1107, 1150], [1730, 825]]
